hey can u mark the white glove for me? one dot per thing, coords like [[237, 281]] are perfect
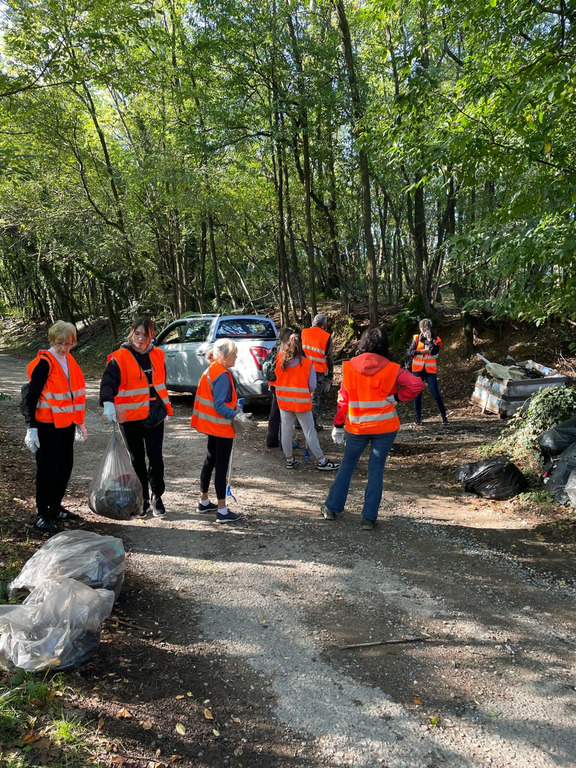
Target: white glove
[[31, 439], [339, 435], [81, 433], [110, 412]]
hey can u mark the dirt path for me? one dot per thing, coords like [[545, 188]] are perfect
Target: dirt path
[[490, 682]]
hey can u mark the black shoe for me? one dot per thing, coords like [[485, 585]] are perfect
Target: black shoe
[[146, 507], [328, 466], [368, 525], [318, 427], [44, 525], [64, 514], [326, 513], [157, 505], [204, 508]]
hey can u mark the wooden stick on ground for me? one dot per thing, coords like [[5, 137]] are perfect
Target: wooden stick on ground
[[385, 642]]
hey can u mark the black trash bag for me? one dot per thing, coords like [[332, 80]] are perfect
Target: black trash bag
[[558, 438], [115, 490], [557, 475], [496, 478]]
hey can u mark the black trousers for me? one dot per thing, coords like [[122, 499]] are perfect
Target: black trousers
[[142, 443], [217, 460], [273, 433], [54, 462]]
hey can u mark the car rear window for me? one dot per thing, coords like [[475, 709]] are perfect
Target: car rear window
[[244, 328]]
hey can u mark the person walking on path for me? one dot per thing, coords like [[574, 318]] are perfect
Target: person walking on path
[[295, 382], [273, 433], [424, 351], [54, 410], [366, 415], [133, 393], [215, 408], [317, 346]]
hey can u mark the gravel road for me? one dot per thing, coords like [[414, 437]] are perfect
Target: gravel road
[[487, 678]]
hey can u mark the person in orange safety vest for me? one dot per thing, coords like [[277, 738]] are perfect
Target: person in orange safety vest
[[366, 414], [317, 346], [215, 408], [423, 353], [133, 393], [294, 384], [54, 410]]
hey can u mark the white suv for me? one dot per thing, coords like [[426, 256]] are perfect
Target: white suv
[[186, 341]]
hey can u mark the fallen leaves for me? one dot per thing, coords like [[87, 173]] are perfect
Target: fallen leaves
[[124, 714], [207, 714], [180, 728]]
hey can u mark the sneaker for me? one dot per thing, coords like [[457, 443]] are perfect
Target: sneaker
[[64, 514], [157, 505], [146, 507], [291, 463], [204, 508], [368, 525], [445, 423], [228, 517], [328, 466], [417, 424], [44, 525], [328, 514]]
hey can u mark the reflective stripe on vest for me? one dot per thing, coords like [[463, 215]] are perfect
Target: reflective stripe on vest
[[133, 398], [205, 418], [63, 398], [423, 360], [292, 390], [315, 344], [368, 410]]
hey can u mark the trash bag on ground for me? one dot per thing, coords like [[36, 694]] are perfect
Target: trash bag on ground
[[95, 560], [558, 438], [558, 473], [115, 491], [496, 478], [56, 627]]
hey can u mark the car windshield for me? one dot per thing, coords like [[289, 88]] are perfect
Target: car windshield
[[187, 331], [246, 328]]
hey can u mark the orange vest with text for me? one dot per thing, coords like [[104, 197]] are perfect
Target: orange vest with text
[[292, 390], [315, 344], [133, 398], [369, 413], [205, 418], [423, 360], [63, 399]]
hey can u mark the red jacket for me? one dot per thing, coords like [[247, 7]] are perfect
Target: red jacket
[[406, 388]]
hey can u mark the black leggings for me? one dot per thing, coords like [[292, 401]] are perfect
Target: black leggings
[[142, 442], [217, 458], [54, 462]]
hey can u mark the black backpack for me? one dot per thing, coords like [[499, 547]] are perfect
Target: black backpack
[[269, 365], [24, 395]]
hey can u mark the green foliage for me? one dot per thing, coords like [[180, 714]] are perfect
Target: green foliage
[[546, 409], [404, 325]]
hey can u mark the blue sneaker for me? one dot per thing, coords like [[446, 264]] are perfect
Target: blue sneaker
[[228, 517]]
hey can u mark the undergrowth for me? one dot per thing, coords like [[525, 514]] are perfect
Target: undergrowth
[[519, 440]]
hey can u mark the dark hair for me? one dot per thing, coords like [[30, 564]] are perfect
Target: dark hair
[[284, 334], [292, 349], [373, 340], [147, 322]]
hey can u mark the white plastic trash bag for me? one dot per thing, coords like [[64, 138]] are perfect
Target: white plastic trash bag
[[57, 626], [95, 560], [115, 490]]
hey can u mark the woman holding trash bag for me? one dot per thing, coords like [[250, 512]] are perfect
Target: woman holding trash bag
[[215, 408], [133, 393], [423, 352], [366, 414], [295, 383], [54, 409]]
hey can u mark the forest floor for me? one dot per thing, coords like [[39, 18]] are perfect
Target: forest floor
[[226, 646]]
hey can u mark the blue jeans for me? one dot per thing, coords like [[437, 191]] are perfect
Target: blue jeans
[[432, 380], [380, 446]]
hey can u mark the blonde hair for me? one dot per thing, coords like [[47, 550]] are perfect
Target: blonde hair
[[222, 349], [61, 331]]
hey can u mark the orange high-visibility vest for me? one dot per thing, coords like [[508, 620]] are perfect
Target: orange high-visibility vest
[[63, 399], [133, 398], [292, 390], [423, 360], [368, 411], [205, 418], [315, 344]]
